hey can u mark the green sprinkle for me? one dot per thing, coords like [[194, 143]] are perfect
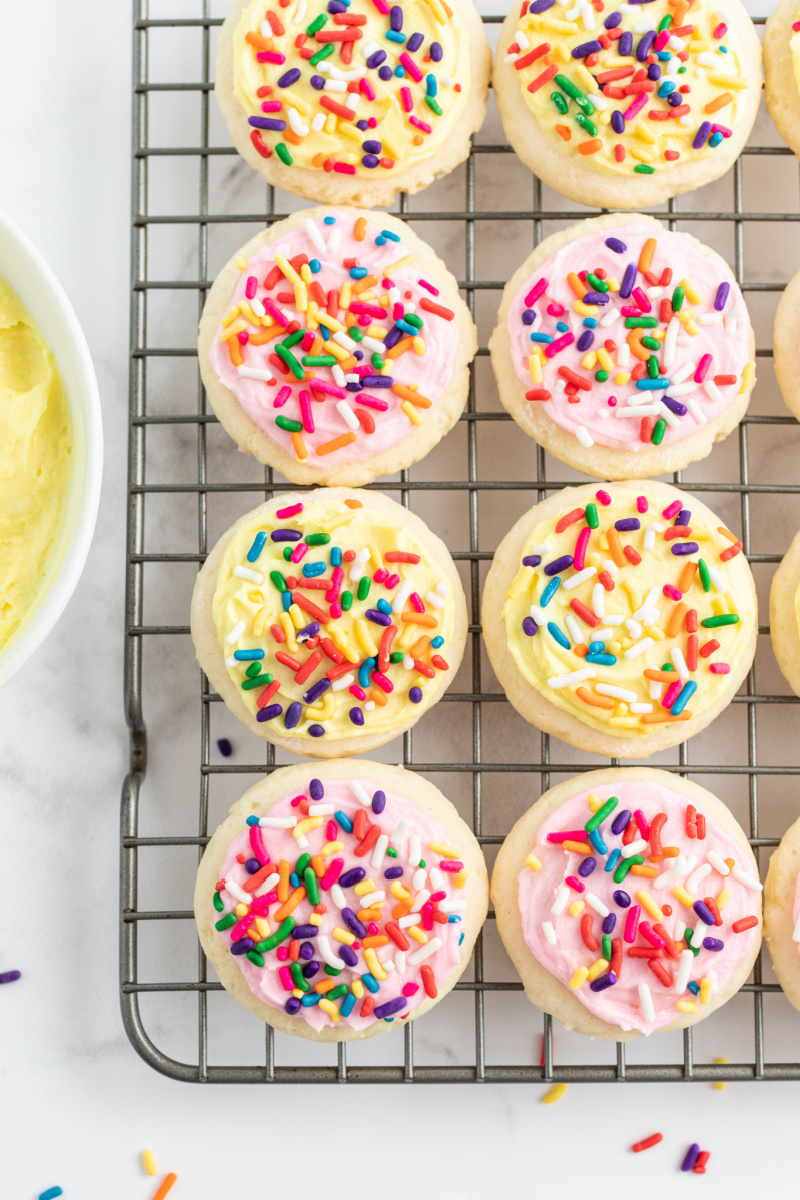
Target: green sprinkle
[[293, 338], [659, 431], [377, 361], [346, 601], [560, 102], [318, 360], [391, 853], [601, 376], [225, 922], [434, 105], [288, 424], [293, 365], [667, 666], [586, 124], [288, 551], [607, 947], [255, 958], [637, 323], [570, 88], [336, 992], [363, 587], [317, 24], [298, 977], [326, 51], [605, 810], [284, 155], [722, 619], [317, 539], [312, 887], [592, 519], [625, 866], [256, 682], [651, 343], [665, 22], [678, 297], [641, 169], [705, 578], [681, 70], [355, 333], [302, 863], [422, 863], [253, 669], [278, 581], [598, 285], [687, 937], [653, 369], [413, 319], [333, 971], [396, 656], [275, 939], [217, 902]]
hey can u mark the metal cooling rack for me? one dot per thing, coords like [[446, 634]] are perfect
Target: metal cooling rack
[[137, 633]]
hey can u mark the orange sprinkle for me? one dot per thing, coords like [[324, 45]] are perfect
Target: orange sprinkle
[[660, 718], [591, 147], [676, 619], [354, 504], [379, 939], [260, 339], [718, 103], [258, 42], [646, 256], [416, 398], [596, 701], [289, 135], [637, 350], [165, 1186], [401, 909], [401, 347], [581, 649], [299, 447], [284, 871], [415, 618], [324, 986], [379, 696], [687, 577], [615, 548], [318, 160], [577, 847], [344, 440], [660, 676], [362, 285], [360, 231], [639, 869], [369, 914], [291, 904], [234, 350], [564, 132], [319, 866], [727, 533], [577, 285]]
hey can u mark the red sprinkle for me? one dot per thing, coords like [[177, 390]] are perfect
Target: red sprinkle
[[570, 518], [653, 1140], [743, 924]]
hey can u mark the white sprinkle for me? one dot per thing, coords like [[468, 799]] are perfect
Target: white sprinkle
[[373, 344], [683, 972], [314, 234], [237, 892], [346, 413], [369, 706], [437, 879], [679, 662], [254, 373], [746, 880], [654, 293], [574, 629], [656, 689], [410, 919], [359, 563], [544, 548], [344, 341], [424, 952], [596, 904], [644, 26], [246, 573], [677, 391], [676, 43], [578, 578], [522, 40], [234, 662], [683, 372], [695, 411], [342, 682], [641, 708], [624, 355], [651, 596], [401, 595], [796, 934], [639, 648], [511, 58], [338, 897], [334, 85], [235, 633], [718, 863], [712, 318], [538, 614], [638, 410], [646, 1003], [300, 12], [602, 635], [296, 122], [338, 375], [277, 822], [316, 125], [269, 883], [549, 932], [372, 898], [378, 854], [334, 240], [442, 587], [400, 962], [696, 878], [707, 59], [408, 662], [649, 537], [669, 416], [713, 392], [610, 566], [561, 901], [434, 600], [452, 906], [610, 318], [320, 810], [419, 879], [717, 579], [633, 627], [584, 437], [559, 681], [635, 847], [360, 792], [326, 953], [598, 600], [687, 121], [414, 850], [618, 693]]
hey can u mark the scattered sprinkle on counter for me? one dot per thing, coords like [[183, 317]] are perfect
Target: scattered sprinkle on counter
[[646, 1143], [10, 976], [51, 1193], [556, 1093], [224, 746], [166, 1186], [149, 1162]]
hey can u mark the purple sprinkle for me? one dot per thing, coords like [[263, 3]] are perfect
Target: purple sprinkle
[[378, 802], [267, 123], [605, 981], [587, 866], [531, 560], [529, 627], [585, 340], [645, 45], [371, 161], [714, 944], [316, 730], [292, 1006], [620, 821], [336, 6], [267, 714], [627, 524], [674, 99], [316, 789], [559, 564], [415, 695], [692, 1155], [356, 716], [377, 381], [685, 547], [308, 631], [390, 1008], [528, 317], [310, 969], [684, 517], [362, 125], [393, 337], [393, 873], [372, 147], [675, 406], [628, 280], [307, 950], [622, 899], [625, 44], [396, 18], [586, 48], [352, 877], [316, 690], [348, 955], [301, 932], [224, 747], [376, 59], [10, 976], [286, 535], [289, 77], [436, 52], [385, 73], [609, 922], [613, 20], [415, 41], [595, 298], [654, 71], [701, 136], [242, 946], [377, 617], [293, 714], [252, 865], [721, 297], [317, 82], [704, 912], [540, 6], [353, 924], [618, 125]]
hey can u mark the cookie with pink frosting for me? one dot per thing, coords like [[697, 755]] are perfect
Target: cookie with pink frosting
[[629, 902], [786, 345], [782, 913], [340, 900], [624, 349], [784, 615], [335, 347]]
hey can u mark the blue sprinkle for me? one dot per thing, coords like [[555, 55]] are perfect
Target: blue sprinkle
[[393, 237], [437, 641], [252, 820], [315, 265], [430, 85], [384, 606], [601, 660], [541, 337], [394, 35], [590, 322], [370, 982], [460, 940], [311, 570], [453, 919], [550, 591], [557, 635], [294, 879], [348, 1004], [399, 71], [257, 547], [287, 601], [343, 821], [363, 672], [613, 859], [694, 988], [596, 838], [336, 556], [248, 655], [380, 241], [311, 999], [562, 327], [358, 272]]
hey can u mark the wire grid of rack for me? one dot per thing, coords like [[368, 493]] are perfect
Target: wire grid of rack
[[136, 632]]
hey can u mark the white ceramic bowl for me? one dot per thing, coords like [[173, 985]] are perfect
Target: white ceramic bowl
[[23, 267]]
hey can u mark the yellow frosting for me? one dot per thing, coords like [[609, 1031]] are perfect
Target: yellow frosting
[[260, 606], [542, 660], [710, 73], [340, 140], [35, 462]]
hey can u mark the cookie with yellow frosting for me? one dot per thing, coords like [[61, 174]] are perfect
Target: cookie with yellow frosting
[[621, 619], [782, 71], [335, 347], [782, 913], [784, 615], [623, 106], [339, 900], [329, 621], [629, 902], [786, 345], [624, 349], [353, 102]]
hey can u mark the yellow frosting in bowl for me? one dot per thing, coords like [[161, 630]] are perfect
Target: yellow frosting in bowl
[[36, 463]]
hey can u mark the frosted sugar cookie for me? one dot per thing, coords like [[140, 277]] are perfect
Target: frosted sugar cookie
[[335, 347], [625, 350], [341, 900], [629, 902], [329, 621], [782, 71], [623, 106], [782, 913], [621, 619], [350, 103], [786, 345], [784, 615]]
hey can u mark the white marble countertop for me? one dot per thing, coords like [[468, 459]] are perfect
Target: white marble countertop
[[78, 1104]]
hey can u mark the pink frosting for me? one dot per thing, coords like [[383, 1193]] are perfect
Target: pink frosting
[[620, 1004], [430, 372], [265, 982], [796, 907], [729, 350]]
